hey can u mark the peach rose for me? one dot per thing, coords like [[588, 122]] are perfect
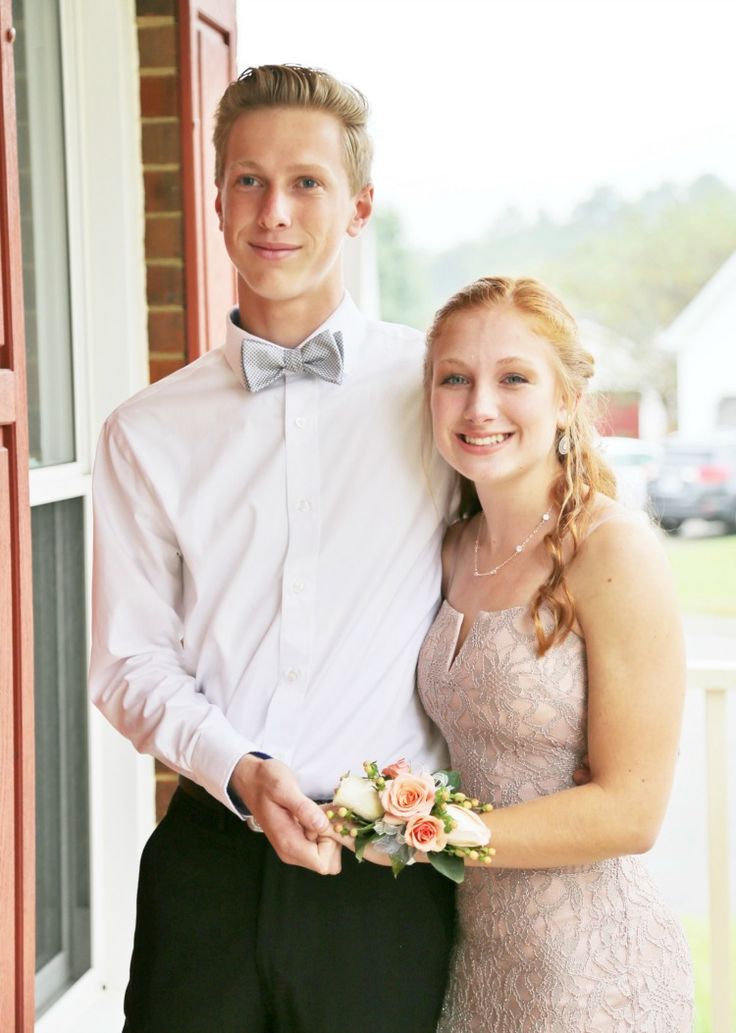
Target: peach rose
[[399, 767], [425, 832], [407, 796]]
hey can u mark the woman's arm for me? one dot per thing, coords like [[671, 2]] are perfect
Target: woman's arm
[[627, 610]]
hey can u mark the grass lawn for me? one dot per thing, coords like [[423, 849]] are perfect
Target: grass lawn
[[705, 571]]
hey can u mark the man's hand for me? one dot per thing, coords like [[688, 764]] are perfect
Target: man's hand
[[295, 825]]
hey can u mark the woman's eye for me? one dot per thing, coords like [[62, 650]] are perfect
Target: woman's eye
[[515, 378], [455, 378]]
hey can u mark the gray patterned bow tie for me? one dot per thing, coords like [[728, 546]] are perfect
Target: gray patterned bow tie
[[264, 363]]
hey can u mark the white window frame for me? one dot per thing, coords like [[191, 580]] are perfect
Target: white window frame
[[110, 362]]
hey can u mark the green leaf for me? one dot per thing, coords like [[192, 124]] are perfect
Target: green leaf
[[453, 779], [362, 841], [398, 864], [447, 864]]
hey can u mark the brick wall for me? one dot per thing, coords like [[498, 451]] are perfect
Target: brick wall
[[161, 142], [157, 22]]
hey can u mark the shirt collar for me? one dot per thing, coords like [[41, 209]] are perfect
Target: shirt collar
[[347, 318]]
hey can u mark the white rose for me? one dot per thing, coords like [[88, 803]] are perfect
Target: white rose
[[359, 796], [469, 829]]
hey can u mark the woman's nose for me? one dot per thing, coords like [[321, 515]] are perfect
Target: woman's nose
[[482, 404]]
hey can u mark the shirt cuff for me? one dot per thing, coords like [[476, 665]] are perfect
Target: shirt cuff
[[214, 760], [233, 796]]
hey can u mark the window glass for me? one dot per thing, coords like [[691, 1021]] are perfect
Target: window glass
[[40, 121], [62, 813]]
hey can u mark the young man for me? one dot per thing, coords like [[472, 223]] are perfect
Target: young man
[[266, 565]]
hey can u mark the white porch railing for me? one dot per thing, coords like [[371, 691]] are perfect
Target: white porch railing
[[717, 679]]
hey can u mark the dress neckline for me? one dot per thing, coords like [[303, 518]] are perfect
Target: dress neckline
[[457, 650]]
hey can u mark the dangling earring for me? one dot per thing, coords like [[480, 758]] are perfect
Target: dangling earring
[[563, 445]]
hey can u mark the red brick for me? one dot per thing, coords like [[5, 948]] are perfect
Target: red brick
[[163, 190], [157, 46], [159, 96], [166, 334], [160, 143], [160, 368], [164, 237], [165, 285]]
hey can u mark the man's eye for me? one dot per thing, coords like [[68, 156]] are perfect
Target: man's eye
[[247, 181], [308, 182]]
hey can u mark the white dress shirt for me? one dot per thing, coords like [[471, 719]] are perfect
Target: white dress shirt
[[266, 565]]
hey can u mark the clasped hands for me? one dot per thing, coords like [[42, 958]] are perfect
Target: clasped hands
[[297, 828]]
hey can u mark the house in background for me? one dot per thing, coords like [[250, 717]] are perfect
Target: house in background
[[703, 337], [631, 406]]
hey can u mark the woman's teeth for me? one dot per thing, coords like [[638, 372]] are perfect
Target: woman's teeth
[[492, 439]]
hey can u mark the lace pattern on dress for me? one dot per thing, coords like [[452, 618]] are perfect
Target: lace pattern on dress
[[566, 950]]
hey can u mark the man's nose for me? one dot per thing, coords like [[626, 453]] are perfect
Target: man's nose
[[275, 210]]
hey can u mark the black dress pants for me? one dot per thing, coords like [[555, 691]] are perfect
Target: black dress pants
[[231, 940]]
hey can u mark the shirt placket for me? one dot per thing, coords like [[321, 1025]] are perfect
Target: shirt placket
[[299, 578]]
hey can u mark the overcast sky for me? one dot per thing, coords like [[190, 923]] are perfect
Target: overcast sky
[[481, 104]]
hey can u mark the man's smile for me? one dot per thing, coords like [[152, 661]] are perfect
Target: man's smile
[[273, 252]]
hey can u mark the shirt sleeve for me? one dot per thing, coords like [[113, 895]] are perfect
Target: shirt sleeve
[[138, 677]]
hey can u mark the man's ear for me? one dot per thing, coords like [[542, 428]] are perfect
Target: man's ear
[[218, 206], [362, 209]]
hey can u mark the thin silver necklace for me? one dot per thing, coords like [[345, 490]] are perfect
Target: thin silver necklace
[[517, 550]]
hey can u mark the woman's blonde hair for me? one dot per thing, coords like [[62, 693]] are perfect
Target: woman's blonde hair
[[583, 472], [295, 86]]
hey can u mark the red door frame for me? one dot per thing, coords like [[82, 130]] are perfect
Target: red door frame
[[17, 825], [207, 62]]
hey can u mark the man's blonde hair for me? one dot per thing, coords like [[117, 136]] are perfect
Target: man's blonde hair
[[294, 86]]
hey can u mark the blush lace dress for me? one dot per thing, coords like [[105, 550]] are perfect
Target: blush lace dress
[[563, 950]]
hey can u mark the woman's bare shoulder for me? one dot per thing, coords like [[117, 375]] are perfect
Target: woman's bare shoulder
[[619, 546]]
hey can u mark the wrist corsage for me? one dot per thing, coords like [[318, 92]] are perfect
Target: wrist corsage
[[399, 812]]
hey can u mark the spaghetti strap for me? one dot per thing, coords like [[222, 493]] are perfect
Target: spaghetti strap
[[618, 512]]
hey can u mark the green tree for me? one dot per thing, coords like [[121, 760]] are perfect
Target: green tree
[[402, 274], [631, 265]]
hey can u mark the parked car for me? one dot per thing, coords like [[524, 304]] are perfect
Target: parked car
[[696, 479], [635, 462]]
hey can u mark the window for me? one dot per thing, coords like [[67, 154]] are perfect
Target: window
[[58, 488]]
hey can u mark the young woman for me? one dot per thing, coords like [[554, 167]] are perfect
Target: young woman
[[559, 636]]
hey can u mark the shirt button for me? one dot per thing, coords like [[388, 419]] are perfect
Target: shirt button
[[300, 422], [297, 586], [304, 505], [292, 675]]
